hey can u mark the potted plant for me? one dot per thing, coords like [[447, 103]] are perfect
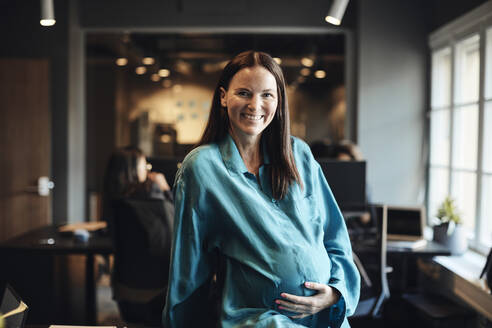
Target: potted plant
[[450, 231]]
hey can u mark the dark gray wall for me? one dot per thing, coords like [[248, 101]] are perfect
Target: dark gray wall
[[392, 96], [23, 37], [444, 11], [392, 91], [189, 13]]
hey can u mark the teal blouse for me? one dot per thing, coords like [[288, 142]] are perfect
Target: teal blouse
[[268, 246]]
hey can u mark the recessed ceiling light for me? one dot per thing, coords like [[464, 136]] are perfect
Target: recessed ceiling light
[[155, 77], [164, 72], [320, 74], [148, 61], [277, 60], [140, 70], [306, 61], [122, 61]]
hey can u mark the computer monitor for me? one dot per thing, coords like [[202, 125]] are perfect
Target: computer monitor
[[347, 180], [406, 223]]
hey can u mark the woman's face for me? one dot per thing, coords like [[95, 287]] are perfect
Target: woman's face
[[251, 101], [142, 169]]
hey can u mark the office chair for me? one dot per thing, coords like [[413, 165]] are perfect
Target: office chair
[[369, 252], [142, 240]]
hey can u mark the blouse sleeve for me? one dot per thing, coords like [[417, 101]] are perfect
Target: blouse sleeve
[[191, 265], [344, 274]]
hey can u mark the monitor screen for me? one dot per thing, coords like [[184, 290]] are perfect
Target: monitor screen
[[405, 221], [347, 180]]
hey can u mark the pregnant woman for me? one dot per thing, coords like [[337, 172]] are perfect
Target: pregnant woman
[[254, 213]]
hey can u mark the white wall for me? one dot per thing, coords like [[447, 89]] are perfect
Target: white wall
[[392, 92]]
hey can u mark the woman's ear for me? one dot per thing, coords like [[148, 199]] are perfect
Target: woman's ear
[[223, 101]]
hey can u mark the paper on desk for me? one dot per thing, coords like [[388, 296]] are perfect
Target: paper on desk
[[89, 226], [64, 326]]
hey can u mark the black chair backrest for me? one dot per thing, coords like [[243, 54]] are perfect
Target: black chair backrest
[[369, 246], [142, 239]]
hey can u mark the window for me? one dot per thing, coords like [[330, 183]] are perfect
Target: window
[[485, 235], [460, 161]]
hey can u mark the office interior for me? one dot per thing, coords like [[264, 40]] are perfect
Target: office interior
[[370, 81]]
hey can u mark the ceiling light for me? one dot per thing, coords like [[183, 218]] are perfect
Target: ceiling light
[[148, 61], [155, 77], [140, 70], [277, 60], [337, 10], [305, 71], [164, 72], [122, 61], [320, 74], [306, 61], [47, 13]]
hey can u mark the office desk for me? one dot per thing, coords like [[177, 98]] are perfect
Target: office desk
[[429, 250], [36, 243], [407, 261]]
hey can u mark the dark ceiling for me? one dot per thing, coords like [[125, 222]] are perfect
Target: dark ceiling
[[197, 50]]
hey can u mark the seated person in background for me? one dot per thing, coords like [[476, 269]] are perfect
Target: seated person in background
[[127, 175], [128, 189]]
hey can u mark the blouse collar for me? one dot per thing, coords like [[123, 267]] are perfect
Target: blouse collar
[[232, 158]]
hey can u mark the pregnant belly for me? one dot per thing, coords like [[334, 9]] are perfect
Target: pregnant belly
[[296, 266], [287, 272]]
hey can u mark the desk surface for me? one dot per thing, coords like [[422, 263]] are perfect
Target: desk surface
[[37, 241], [429, 250]]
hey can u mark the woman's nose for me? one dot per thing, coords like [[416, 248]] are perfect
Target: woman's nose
[[254, 103]]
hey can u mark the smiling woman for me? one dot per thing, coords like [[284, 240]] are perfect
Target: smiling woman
[[254, 210], [250, 102]]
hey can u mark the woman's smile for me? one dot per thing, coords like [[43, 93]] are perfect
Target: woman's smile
[[252, 117]]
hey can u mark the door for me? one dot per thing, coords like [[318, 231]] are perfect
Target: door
[[25, 145]]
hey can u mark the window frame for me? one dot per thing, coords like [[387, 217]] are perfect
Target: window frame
[[476, 22]]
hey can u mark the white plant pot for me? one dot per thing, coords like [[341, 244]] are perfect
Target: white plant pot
[[454, 238]]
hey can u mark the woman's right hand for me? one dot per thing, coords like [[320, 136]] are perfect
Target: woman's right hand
[[159, 179]]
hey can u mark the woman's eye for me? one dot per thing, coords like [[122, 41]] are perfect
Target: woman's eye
[[243, 93], [268, 95]]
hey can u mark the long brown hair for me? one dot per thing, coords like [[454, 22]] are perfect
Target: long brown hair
[[277, 133]]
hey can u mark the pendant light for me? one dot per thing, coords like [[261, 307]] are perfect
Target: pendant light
[[47, 13], [337, 10]]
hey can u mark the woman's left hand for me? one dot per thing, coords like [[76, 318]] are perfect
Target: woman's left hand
[[309, 305]]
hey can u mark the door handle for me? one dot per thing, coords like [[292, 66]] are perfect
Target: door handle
[[44, 186]]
